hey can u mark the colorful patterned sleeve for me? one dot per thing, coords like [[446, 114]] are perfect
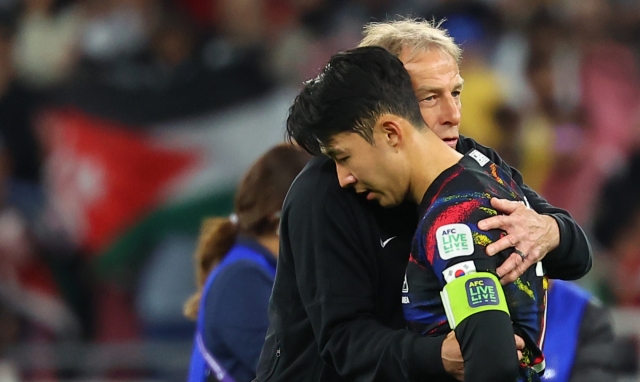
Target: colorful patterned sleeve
[[448, 244]]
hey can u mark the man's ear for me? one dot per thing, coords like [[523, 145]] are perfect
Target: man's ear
[[393, 133]]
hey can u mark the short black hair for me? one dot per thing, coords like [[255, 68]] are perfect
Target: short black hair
[[354, 89]]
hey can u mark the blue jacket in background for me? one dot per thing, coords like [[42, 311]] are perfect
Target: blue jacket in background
[[233, 320], [580, 345]]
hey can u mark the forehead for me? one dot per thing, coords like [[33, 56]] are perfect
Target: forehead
[[345, 142], [432, 66]]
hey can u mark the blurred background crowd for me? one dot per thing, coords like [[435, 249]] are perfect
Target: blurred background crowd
[[123, 123]]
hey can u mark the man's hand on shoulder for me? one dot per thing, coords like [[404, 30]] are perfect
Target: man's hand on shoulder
[[531, 234]]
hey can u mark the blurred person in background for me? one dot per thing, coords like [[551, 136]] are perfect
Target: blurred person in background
[[235, 269], [571, 137], [42, 290], [115, 30], [580, 345], [35, 306], [10, 327], [18, 105], [475, 26], [616, 227], [509, 124], [47, 41], [32, 272], [147, 61], [555, 137]]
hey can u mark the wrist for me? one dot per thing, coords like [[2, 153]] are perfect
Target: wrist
[[425, 360], [553, 233]]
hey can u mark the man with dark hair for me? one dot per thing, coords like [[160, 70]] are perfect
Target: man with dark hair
[[336, 312], [362, 112]]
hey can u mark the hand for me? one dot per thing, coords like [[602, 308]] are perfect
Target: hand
[[534, 235], [452, 357], [519, 346]]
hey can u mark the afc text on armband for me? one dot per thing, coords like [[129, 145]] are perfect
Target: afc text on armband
[[481, 292]]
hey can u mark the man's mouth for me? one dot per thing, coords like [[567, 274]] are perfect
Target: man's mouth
[[369, 195], [452, 142]]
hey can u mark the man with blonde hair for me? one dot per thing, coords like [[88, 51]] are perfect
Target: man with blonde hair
[[335, 311], [432, 59], [410, 34]]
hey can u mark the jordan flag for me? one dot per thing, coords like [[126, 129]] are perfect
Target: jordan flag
[[117, 188], [104, 176]]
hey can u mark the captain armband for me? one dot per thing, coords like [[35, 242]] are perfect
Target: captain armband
[[471, 294]]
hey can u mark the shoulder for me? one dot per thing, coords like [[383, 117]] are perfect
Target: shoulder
[[317, 181], [316, 191], [466, 144], [243, 277], [246, 261], [244, 270], [462, 180], [238, 298], [455, 199], [463, 194], [320, 171], [316, 198]]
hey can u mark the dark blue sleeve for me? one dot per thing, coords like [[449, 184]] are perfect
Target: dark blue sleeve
[[236, 313], [447, 245], [486, 338], [451, 245]]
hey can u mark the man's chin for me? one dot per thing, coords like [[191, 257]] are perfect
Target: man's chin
[[386, 203], [380, 199]]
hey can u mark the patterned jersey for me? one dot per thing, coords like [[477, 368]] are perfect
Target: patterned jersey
[[448, 244]]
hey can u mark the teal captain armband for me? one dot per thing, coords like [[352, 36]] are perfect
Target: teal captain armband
[[471, 294]]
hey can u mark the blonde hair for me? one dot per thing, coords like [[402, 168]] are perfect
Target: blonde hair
[[418, 35]]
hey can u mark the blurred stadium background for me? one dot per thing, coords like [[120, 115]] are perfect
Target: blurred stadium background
[[124, 122]]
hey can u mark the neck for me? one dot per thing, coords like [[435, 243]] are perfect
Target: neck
[[432, 157]]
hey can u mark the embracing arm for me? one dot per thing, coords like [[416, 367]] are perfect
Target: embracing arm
[[572, 258], [545, 232]]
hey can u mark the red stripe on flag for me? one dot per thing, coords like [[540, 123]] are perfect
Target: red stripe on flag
[[105, 176]]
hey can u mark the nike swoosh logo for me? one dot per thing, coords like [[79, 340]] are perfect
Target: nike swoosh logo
[[384, 243]]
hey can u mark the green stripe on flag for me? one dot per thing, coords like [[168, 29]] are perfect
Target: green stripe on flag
[[129, 251]]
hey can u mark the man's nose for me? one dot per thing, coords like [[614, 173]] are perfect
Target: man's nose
[[345, 178], [450, 111]]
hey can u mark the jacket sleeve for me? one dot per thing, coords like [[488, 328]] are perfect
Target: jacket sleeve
[[488, 347], [338, 279], [572, 258]]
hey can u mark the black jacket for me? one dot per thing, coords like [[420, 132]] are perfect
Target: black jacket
[[572, 258], [335, 311]]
